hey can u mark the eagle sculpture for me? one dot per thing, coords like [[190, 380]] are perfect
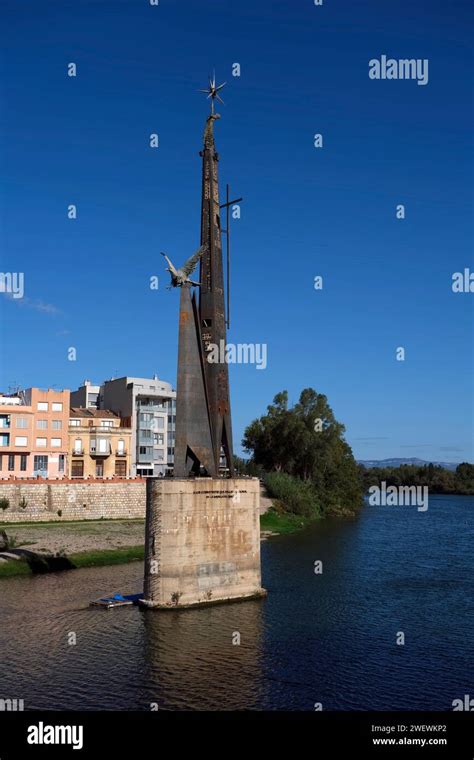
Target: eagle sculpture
[[180, 277]]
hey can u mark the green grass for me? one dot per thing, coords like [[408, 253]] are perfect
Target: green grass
[[284, 523], [14, 567], [99, 557], [96, 558], [69, 523]]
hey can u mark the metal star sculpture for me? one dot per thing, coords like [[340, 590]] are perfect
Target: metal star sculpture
[[213, 91]]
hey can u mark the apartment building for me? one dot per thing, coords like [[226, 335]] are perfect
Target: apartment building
[[87, 396], [149, 406], [99, 444], [34, 434]]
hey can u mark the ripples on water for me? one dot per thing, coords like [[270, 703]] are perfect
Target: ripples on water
[[326, 638]]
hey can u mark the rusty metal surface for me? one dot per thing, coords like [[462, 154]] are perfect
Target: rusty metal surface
[[212, 304], [203, 415]]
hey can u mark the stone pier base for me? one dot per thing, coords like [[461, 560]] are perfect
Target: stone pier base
[[202, 542]]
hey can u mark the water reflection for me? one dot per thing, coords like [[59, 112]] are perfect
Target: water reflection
[[192, 661]]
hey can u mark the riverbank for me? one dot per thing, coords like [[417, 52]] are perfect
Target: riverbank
[[47, 547], [284, 523], [40, 564], [52, 546]]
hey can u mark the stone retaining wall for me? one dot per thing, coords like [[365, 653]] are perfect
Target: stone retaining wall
[[72, 500]]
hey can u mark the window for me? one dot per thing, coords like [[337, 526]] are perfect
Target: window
[[106, 423], [103, 446], [1, 461], [78, 446], [41, 442], [4, 420], [21, 422], [11, 462], [42, 424], [120, 468], [74, 423], [62, 459], [77, 468], [159, 455], [99, 470], [160, 423], [23, 462], [158, 438], [40, 465], [56, 406], [121, 446], [42, 406], [56, 442], [21, 440], [56, 424], [146, 418], [4, 439]]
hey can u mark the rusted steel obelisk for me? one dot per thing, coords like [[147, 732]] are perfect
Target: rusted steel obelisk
[[202, 537], [203, 418]]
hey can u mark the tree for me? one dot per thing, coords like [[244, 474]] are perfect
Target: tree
[[306, 442]]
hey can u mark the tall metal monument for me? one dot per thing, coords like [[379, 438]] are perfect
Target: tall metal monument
[[203, 416], [200, 548]]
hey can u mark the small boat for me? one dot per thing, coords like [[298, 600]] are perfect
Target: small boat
[[117, 600]]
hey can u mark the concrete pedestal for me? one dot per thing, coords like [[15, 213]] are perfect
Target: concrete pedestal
[[202, 542]]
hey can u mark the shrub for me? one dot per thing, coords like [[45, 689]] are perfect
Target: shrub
[[297, 496], [4, 503], [60, 511], [23, 503]]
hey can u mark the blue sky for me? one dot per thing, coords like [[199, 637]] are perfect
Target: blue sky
[[306, 211]]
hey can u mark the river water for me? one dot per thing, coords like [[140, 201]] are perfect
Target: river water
[[326, 638]]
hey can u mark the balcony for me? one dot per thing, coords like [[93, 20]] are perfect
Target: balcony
[[121, 452], [78, 452], [146, 458], [145, 440], [100, 452], [149, 408]]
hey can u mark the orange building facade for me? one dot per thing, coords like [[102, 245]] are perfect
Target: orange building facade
[[34, 434]]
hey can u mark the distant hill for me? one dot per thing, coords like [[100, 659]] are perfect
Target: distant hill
[[397, 462]]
